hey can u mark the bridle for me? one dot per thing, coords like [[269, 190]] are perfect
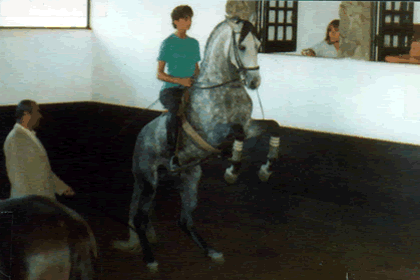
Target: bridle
[[238, 60], [241, 66]]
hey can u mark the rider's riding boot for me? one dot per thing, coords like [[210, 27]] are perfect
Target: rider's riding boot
[[172, 137]]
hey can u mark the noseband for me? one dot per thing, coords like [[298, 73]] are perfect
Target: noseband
[[241, 66]]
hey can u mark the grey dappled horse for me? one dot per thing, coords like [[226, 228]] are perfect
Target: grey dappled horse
[[43, 239], [219, 110]]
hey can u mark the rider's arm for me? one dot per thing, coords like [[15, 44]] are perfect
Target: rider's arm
[[405, 58], [397, 58], [197, 70], [161, 75]]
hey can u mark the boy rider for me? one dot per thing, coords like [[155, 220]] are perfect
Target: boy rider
[[181, 54]]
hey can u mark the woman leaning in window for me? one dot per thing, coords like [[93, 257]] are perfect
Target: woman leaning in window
[[330, 45]]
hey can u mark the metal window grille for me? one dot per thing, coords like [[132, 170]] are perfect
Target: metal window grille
[[33, 14], [395, 29], [277, 25]]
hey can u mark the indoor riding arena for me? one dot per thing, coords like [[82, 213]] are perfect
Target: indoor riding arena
[[342, 201], [335, 205]]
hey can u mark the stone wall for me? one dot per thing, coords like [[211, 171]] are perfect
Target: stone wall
[[355, 29], [244, 9]]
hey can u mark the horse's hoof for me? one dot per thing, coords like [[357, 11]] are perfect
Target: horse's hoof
[[151, 235], [216, 256], [153, 267], [230, 177], [264, 174], [127, 246]]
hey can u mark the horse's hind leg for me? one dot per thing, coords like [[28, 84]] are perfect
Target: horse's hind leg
[[139, 185], [259, 127], [190, 179], [141, 220], [141, 188]]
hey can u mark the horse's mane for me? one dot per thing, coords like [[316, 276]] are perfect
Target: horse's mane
[[210, 39], [246, 28]]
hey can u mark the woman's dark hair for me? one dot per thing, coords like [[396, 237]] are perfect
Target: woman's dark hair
[[22, 107], [336, 25], [179, 12]]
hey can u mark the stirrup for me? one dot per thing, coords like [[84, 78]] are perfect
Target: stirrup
[[173, 167]]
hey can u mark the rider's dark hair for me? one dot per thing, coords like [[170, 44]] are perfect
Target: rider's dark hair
[[23, 106], [179, 12], [333, 24]]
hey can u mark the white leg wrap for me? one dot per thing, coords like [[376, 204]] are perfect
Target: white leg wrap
[[274, 147], [275, 141], [237, 150]]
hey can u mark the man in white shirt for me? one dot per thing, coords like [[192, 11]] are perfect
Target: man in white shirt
[[27, 163]]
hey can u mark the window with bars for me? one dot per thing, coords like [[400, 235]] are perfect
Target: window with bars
[[277, 25], [44, 14], [394, 29]]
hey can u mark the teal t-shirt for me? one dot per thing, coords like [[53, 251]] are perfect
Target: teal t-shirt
[[180, 56]]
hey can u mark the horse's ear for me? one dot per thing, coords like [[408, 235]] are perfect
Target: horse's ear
[[234, 19], [233, 22]]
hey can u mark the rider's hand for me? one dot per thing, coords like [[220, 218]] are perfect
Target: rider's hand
[[415, 60], [186, 82], [308, 52]]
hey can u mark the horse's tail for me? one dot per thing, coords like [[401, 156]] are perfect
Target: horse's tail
[[66, 231], [80, 240]]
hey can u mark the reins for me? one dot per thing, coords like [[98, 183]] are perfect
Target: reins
[[215, 86], [241, 66], [261, 106]]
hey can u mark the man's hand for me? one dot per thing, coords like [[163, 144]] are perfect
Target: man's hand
[[69, 192]]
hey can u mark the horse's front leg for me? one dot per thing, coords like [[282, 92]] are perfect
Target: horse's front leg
[[141, 219], [190, 179], [273, 154], [258, 127], [232, 172]]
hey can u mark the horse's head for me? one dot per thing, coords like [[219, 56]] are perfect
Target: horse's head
[[243, 51]]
